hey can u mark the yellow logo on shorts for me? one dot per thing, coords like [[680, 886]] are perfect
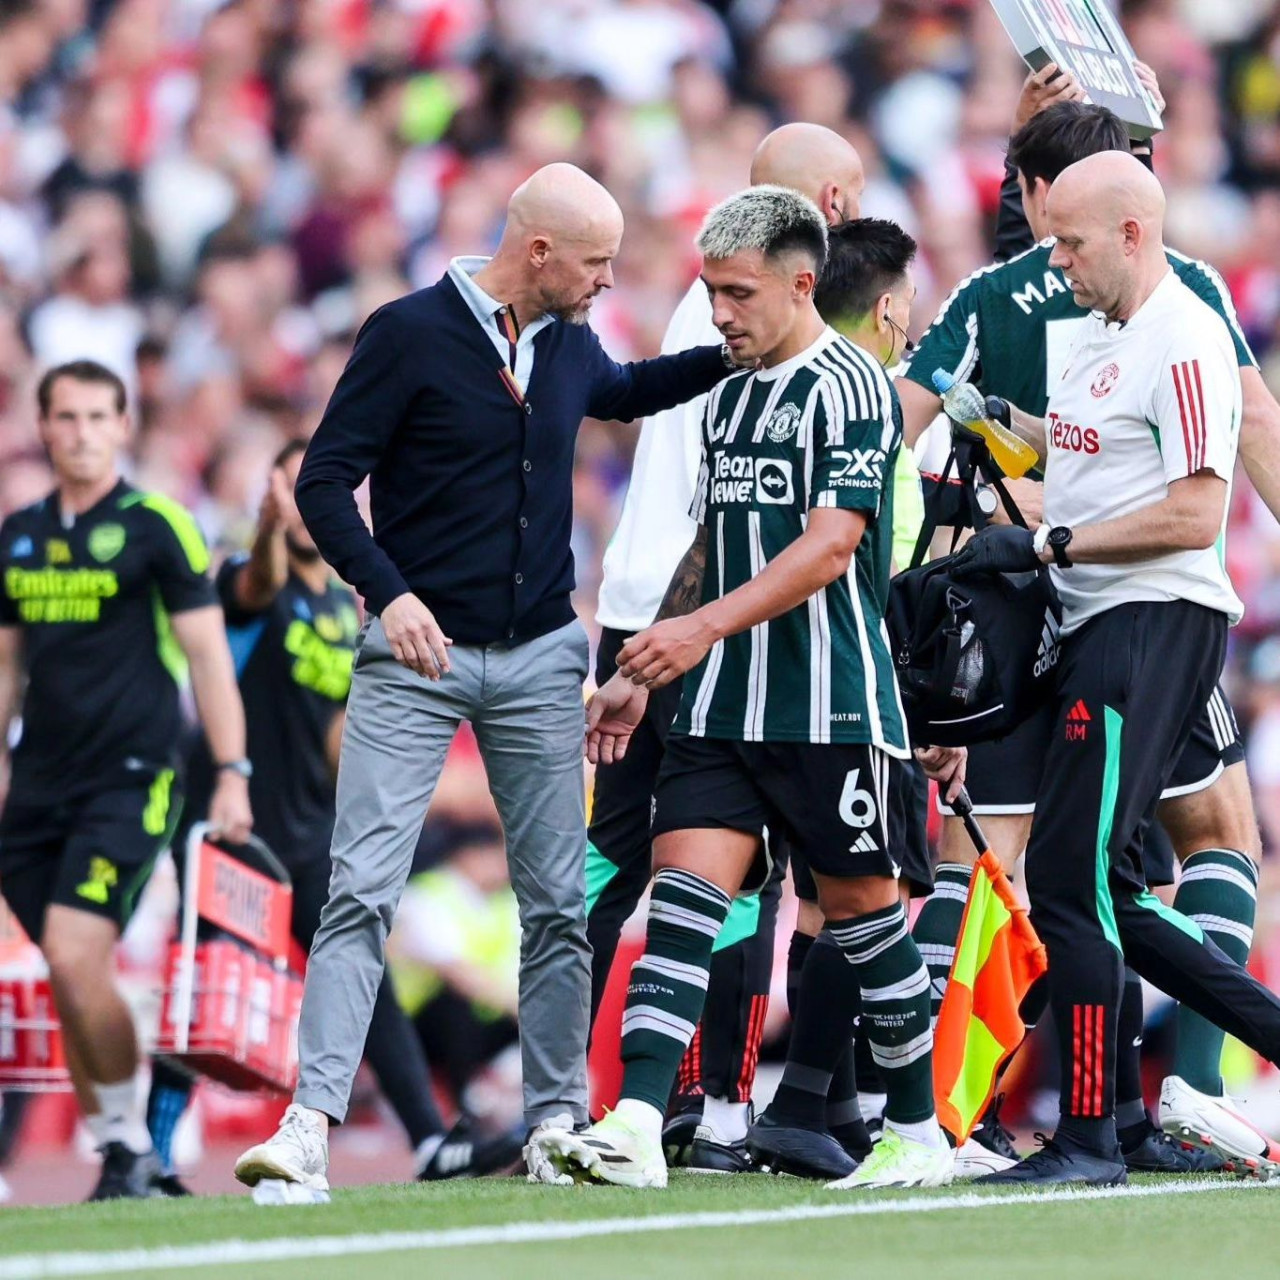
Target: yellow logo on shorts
[[103, 877]]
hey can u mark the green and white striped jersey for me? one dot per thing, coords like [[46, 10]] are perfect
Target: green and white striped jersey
[[822, 429]]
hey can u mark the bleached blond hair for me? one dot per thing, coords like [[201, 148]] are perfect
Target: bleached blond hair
[[775, 220]]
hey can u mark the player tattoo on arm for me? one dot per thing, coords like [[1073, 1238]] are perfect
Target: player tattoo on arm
[[684, 593]]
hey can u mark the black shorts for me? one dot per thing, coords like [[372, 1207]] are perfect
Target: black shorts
[[93, 852], [912, 809], [836, 803], [1214, 746], [1004, 776]]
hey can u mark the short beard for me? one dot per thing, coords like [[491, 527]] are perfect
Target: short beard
[[308, 555], [572, 315]]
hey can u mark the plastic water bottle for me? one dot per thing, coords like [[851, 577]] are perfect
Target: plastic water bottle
[[963, 403]]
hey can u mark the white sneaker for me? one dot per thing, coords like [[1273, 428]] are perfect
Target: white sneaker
[[273, 1191], [298, 1153], [539, 1165], [973, 1160], [613, 1150], [1212, 1124], [898, 1161]]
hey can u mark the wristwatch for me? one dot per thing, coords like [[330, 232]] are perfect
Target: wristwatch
[[1057, 539], [243, 767], [726, 354]]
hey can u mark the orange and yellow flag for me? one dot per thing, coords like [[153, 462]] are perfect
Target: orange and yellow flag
[[998, 958]]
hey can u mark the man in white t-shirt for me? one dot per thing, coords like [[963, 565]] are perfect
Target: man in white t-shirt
[[653, 534], [1140, 442]]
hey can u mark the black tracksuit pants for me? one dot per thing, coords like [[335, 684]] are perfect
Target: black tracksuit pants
[[1130, 685]]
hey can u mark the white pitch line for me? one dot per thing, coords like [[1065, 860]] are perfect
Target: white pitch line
[[36, 1266]]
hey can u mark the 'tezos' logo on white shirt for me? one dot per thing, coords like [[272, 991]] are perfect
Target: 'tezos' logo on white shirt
[[1070, 436]]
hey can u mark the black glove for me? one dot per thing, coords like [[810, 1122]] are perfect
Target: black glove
[[998, 410], [999, 549]]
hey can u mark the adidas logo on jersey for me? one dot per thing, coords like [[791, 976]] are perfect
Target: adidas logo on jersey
[[1049, 651], [1078, 719], [864, 844]]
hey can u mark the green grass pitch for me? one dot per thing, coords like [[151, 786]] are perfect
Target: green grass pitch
[[1162, 1231]]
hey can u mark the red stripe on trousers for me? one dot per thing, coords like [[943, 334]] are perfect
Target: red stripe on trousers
[[1075, 1059], [1086, 1017], [1100, 1071], [751, 1055]]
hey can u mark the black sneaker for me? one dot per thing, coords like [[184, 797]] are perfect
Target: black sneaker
[[991, 1133], [1061, 1160], [854, 1137], [1160, 1152], [170, 1185], [126, 1175], [464, 1153], [707, 1155], [678, 1133], [805, 1153]]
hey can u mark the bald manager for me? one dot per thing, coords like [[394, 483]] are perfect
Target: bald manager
[[461, 403]]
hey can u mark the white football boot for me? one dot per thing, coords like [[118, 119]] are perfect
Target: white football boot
[[898, 1161], [612, 1150], [1213, 1124]]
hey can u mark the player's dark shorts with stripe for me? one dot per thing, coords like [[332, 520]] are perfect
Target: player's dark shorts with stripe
[[1004, 776], [842, 807], [93, 851]]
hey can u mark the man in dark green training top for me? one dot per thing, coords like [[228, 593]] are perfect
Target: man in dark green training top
[[104, 600]]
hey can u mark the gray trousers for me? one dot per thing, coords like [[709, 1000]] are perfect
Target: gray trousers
[[525, 705]]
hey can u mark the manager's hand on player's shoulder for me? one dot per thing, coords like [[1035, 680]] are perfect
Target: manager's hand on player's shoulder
[[415, 637], [660, 653], [946, 766], [613, 712]]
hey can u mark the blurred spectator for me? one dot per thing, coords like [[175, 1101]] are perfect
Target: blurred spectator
[[89, 314]]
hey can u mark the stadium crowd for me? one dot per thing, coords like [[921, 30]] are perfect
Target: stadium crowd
[[209, 198]]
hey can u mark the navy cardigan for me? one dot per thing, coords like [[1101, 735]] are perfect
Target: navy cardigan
[[471, 492]]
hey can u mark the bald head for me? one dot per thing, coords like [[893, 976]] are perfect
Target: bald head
[[563, 232], [1107, 214], [1115, 186], [816, 162], [559, 199]]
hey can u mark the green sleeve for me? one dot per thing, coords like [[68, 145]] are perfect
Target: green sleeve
[[1210, 287], [951, 341]]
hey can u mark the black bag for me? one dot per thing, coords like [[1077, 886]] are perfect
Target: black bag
[[974, 655]]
